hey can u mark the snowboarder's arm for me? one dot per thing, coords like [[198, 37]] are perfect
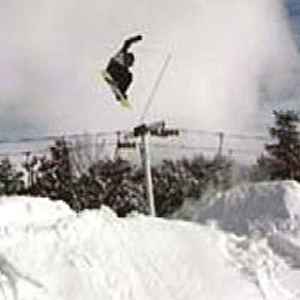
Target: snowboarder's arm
[[130, 41]]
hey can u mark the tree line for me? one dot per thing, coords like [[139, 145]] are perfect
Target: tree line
[[120, 184]]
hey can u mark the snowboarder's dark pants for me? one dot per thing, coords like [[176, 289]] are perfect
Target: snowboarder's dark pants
[[120, 74]]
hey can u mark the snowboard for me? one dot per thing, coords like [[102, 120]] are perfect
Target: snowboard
[[111, 82]]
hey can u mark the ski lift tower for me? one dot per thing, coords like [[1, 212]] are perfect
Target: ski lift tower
[[157, 129], [143, 131]]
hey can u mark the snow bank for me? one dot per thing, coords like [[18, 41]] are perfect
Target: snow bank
[[264, 218], [265, 206], [49, 252], [24, 210], [95, 255]]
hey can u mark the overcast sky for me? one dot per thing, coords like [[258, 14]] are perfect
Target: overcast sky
[[233, 62]]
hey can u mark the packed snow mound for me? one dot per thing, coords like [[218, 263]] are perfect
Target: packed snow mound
[[24, 210], [264, 206], [95, 255]]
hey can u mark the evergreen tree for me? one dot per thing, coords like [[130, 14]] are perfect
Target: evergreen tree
[[284, 162]]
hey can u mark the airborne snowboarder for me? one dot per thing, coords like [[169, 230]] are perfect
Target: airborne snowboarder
[[118, 68]]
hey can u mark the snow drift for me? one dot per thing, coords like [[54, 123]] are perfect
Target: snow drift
[[259, 213], [264, 207], [49, 252]]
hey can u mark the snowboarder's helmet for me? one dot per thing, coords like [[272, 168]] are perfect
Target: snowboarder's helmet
[[129, 59]]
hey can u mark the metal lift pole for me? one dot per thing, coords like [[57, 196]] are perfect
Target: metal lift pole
[[143, 132], [155, 87], [147, 170]]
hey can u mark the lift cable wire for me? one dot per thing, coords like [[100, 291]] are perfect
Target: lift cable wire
[[232, 135], [232, 150], [54, 137], [125, 132]]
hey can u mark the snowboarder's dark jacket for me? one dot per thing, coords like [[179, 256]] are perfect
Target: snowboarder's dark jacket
[[119, 65]]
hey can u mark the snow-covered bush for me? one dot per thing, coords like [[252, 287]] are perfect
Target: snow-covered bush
[[174, 181], [122, 189], [11, 181]]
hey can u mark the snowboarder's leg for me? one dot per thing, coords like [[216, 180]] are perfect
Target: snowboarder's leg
[[112, 75], [124, 83], [121, 76], [114, 69]]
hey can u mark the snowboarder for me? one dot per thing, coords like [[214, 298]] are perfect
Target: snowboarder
[[118, 66]]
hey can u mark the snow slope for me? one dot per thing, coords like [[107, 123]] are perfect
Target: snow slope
[[267, 213], [49, 252], [265, 206]]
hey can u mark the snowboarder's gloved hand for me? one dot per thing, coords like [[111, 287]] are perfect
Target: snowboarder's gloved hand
[[136, 38], [139, 37]]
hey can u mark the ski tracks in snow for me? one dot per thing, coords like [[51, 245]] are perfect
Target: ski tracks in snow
[[12, 275], [253, 257]]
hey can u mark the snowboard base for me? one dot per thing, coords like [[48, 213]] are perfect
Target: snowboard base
[[120, 97]]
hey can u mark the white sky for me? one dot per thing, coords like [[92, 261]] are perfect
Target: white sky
[[220, 51]]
